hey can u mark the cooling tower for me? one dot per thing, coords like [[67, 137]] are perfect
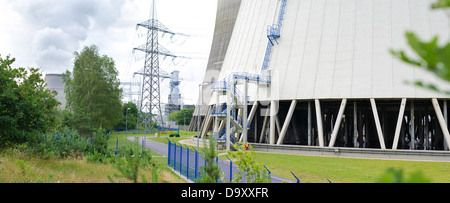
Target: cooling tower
[[55, 82], [319, 73], [227, 11]]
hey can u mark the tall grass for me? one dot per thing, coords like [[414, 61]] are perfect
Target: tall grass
[[19, 167], [66, 157]]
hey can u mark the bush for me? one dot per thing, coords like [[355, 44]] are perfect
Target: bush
[[253, 171], [26, 107], [100, 142], [68, 143], [129, 161]]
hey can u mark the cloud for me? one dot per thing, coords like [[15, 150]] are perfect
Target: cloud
[[60, 27]]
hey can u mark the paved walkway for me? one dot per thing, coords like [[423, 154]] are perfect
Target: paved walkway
[[162, 149]]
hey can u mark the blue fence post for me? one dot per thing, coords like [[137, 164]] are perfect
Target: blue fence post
[[231, 168], [298, 181], [217, 162], [117, 147], [196, 163], [175, 156], [168, 153], [270, 173], [187, 163], [181, 158]]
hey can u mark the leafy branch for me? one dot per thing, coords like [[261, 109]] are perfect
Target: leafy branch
[[432, 57]]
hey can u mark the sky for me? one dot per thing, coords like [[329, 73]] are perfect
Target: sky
[[46, 33]]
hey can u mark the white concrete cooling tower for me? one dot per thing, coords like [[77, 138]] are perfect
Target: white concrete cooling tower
[[323, 73], [55, 82]]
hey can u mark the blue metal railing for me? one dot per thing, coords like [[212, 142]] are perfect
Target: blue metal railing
[[274, 32], [187, 162]]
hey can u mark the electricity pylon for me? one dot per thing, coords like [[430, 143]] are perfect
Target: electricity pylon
[[150, 107]]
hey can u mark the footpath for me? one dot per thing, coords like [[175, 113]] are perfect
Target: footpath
[[162, 149]]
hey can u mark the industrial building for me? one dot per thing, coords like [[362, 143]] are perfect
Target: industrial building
[[55, 82], [319, 73]]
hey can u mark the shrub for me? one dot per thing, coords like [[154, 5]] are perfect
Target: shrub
[[253, 171], [26, 107], [393, 175], [128, 162], [68, 143]]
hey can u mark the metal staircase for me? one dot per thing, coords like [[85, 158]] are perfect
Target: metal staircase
[[239, 100], [273, 33]]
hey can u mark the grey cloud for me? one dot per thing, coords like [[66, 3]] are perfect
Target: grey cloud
[[62, 25]]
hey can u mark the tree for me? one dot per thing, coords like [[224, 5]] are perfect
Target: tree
[[210, 173], [26, 107], [432, 57], [182, 117], [92, 91], [129, 119]]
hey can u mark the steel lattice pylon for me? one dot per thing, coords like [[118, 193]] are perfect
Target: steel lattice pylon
[[150, 101]]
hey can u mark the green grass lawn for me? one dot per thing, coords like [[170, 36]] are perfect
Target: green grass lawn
[[315, 169]]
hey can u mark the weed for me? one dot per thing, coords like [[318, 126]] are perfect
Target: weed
[[248, 166], [23, 168], [129, 165], [393, 175]]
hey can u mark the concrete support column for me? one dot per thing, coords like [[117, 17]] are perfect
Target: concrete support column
[[377, 123], [287, 122], [319, 123], [338, 123], [441, 120], [399, 124], [309, 125], [263, 131], [413, 127], [355, 124], [273, 114], [446, 147]]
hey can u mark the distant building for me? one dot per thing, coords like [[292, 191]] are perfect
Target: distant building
[[55, 82]]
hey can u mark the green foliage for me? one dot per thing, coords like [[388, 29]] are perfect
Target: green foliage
[[68, 143], [23, 168], [92, 91], [182, 117], [431, 56], [26, 107], [100, 141], [396, 176], [248, 166], [441, 4], [211, 172], [128, 162]]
